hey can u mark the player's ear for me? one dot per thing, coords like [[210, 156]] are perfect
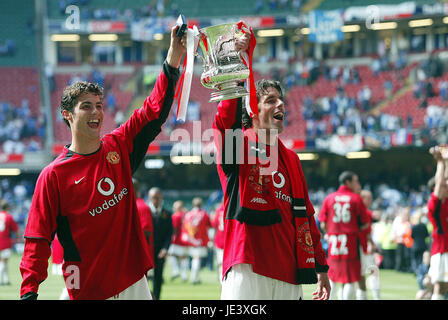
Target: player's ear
[[67, 115]]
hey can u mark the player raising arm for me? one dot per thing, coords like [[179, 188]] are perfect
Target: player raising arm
[[272, 244], [86, 195], [438, 215]]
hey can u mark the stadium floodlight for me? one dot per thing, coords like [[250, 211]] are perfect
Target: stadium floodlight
[[384, 25], [154, 163], [305, 31], [350, 28], [445, 20], [186, 159], [308, 156], [358, 155], [271, 33], [64, 37], [158, 36], [10, 172], [103, 37], [420, 23]]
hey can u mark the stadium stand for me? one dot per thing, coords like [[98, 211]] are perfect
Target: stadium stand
[[100, 9], [20, 116]]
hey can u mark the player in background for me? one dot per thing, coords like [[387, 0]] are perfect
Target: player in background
[[8, 228], [369, 267], [195, 234], [145, 219], [342, 216], [86, 195], [438, 215], [178, 256], [57, 256], [163, 231], [272, 244], [218, 238]]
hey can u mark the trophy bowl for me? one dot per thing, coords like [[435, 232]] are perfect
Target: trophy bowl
[[223, 67]]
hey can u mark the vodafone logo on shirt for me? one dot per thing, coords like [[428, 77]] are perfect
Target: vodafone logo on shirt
[[106, 187], [279, 181], [110, 189]]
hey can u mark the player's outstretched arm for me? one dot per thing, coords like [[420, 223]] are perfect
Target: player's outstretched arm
[[440, 154]]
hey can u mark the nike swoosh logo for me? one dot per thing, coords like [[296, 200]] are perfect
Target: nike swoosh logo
[[78, 181]]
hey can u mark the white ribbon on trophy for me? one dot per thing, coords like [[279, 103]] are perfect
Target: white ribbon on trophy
[[187, 76]]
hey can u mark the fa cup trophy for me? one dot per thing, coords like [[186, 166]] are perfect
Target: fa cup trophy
[[223, 66]]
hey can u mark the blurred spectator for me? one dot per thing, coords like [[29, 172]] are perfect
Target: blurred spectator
[[111, 102], [401, 232], [443, 89], [259, 5], [424, 282], [420, 235]]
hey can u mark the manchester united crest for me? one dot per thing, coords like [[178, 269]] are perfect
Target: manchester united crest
[[113, 157], [304, 238], [257, 182]]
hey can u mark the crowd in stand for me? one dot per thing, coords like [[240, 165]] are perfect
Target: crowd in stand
[[347, 112], [20, 130], [151, 10], [160, 8]]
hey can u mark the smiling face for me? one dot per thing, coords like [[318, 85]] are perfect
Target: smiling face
[[86, 119], [271, 111], [82, 110]]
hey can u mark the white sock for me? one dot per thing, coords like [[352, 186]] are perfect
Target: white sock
[[195, 267], [348, 292], [2, 272], [184, 266], [437, 296], [361, 294], [373, 282], [174, 263], [333, 286], [376, 294]]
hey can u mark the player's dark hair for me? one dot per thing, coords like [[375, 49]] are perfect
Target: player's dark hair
[[197, 202], [74, 91], [261, 87], [346, 175], [4, 205]]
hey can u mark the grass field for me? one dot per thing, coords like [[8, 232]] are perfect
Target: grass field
[[394, 286]]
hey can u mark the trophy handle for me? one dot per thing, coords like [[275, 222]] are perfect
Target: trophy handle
[[200, 37], [204, 63]]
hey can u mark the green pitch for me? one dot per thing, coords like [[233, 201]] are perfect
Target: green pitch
[[394, 285]]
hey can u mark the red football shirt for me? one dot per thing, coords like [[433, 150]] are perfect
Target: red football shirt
[[343, 212], [438, 215], [89, 200], [269, 249], [7, 226], [177, 219], [57, 252], [195, 228], [364, 234], [147, 225]]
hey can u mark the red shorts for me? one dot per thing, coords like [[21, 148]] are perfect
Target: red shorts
[[344, 271], [344, 258]]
